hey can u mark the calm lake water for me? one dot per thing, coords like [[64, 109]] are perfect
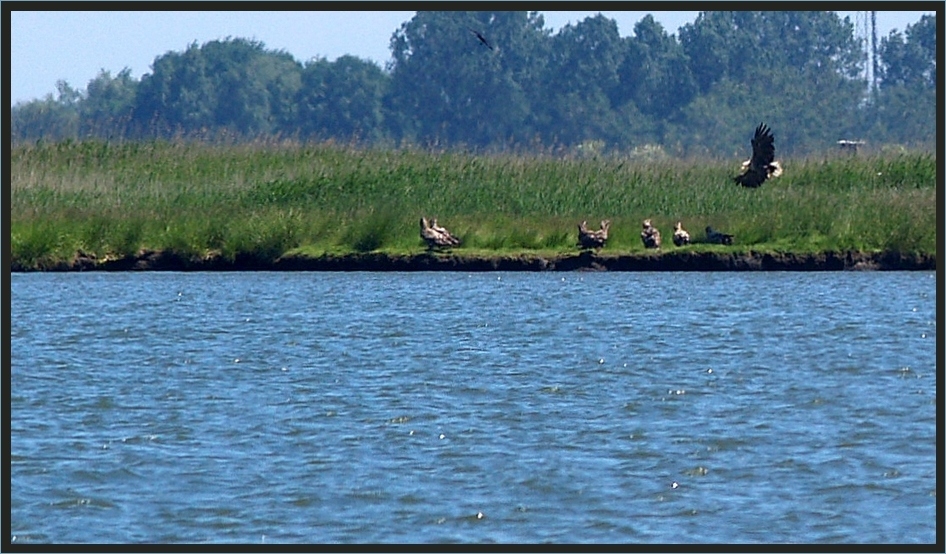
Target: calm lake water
[[490, 407]]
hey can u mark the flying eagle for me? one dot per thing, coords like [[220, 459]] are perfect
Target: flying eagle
[[650, 236], [762, 164], [481, 37]]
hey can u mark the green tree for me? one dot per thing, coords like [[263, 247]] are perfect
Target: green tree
[[108, 105], [254, 87], [449, 87], [499, 79], [342, 99], [234, 86], [904, 110], [797, 71], [739, 45], [910, 60], [176, 97], [581, 77], [52, 118], [656, 73]]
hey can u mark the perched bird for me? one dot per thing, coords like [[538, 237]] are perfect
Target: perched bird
[[762, 164], [715, 237], [650, 235], [435, 235], [593, 239], [680, 236], [481, 37], [442, 230]]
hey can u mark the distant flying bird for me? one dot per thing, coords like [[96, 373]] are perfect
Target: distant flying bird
[[593, 239], [481, 37], [680, 236], [762, 164], [715, 237], [435, 235], [650, 236]]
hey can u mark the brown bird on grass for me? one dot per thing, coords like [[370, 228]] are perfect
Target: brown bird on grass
[[650, 235], [593, 239], [435, 235], [715, 237], [680, 236], [762, 164], [442, 230]]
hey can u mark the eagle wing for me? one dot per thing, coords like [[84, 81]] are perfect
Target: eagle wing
[[756, 171], [763, 147]]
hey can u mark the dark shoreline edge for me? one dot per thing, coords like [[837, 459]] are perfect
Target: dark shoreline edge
[[150, 260]]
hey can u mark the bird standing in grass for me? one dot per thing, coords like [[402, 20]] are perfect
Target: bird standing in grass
[[680, 236], [650, 235], [593, 239]]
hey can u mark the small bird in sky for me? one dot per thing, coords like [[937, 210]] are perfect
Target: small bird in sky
[[481, 37]]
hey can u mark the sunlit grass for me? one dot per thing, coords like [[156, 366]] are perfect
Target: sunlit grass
[[262, 200]]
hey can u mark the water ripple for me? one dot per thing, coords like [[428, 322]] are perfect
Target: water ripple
[[505, 408]]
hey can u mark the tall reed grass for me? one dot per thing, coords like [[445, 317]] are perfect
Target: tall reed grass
[[263, 200]]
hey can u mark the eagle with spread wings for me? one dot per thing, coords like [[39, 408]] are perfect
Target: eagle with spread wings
[[762, 164]]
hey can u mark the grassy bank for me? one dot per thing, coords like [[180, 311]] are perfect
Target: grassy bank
[[265, 200]]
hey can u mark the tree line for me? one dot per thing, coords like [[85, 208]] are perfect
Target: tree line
[[492, 81]]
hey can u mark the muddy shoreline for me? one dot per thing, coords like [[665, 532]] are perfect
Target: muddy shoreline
[[149, 260]]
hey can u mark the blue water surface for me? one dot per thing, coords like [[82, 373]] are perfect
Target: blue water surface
[[490, 407]]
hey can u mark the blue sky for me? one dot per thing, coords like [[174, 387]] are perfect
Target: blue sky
[[75, 46]]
